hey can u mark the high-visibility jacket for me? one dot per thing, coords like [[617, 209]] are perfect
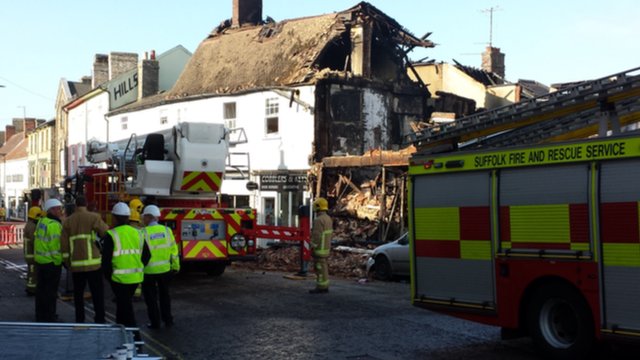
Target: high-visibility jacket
[[127, 255], [321, 232], [47, 242], [28, 234], [164, 250], [79, 235]]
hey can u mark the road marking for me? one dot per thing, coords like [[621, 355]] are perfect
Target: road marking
[[13, 266]]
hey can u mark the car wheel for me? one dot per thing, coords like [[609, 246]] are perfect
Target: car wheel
[[560, 322], [382, 268]]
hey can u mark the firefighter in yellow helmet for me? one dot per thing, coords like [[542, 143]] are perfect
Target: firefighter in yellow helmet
[[321, 232], [135, 207], [35, 213]]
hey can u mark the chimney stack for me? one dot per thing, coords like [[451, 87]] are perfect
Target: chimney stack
[[100, 70], [29, 125], [493, 61], [120, 63], [2, 138], [18, 124], [148, 77], [246, 12], [9, 131], [86, 80]]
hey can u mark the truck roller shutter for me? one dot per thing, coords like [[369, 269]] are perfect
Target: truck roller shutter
[[619, 234], [452, 245], [545, 208]]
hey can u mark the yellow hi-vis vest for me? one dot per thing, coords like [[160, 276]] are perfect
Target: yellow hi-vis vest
[[127, 255], [325, 245], [78, 259], [164, 250], [47, 242]]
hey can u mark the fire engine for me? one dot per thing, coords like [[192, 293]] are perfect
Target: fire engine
[[181, 170], [541, 240]]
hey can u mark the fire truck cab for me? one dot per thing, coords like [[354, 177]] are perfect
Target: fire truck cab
[[541, 240]]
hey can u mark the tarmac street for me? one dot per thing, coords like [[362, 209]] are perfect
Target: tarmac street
[[247, 314]]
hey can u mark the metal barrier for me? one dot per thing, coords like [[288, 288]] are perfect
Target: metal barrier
[[11, 234]]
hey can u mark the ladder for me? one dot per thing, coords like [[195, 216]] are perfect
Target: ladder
[[574, 103]]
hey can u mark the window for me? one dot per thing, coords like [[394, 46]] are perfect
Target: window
[[123, 122], [229, 115], [271, 114], [240, 201], [163, 120]]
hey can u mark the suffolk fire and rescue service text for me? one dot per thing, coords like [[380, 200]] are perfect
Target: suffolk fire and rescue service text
[[553, 154]]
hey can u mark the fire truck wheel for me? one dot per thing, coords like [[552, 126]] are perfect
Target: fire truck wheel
[[560, 322], [382, 268], [216, 269]]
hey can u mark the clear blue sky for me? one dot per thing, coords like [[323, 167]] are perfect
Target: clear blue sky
[[548, 41]]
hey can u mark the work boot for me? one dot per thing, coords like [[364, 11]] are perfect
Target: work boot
[[318, 291]]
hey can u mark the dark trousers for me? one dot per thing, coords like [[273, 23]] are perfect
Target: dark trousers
[[124, 303], [80, 280], [32, 279], [47, 291], [156, 287]]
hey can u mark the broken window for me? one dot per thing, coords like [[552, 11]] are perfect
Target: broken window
[[229, 115], [271, 116], [347, 128], [334, 56]]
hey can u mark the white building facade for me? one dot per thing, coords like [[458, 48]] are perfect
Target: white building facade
[[86, 115], [279, 136]]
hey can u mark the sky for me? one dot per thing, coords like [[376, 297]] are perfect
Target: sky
[[549, 41]]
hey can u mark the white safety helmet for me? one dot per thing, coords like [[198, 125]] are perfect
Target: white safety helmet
[[152, 210], [51, 203], [121, 209]]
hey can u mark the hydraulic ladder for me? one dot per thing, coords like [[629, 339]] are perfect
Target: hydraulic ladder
[[564, 114]]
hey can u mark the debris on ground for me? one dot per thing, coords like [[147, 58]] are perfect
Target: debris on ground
[[343, 262]]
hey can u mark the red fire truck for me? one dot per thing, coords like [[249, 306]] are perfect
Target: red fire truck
[[181, 171], [541, 241]]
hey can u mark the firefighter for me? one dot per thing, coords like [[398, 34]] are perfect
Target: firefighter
[[321, 245], [135, 206], [35, 213], [79, 239], [124, 254], [157, 273], [48, 258]]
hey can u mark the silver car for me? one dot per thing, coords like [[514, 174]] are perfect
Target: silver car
[[390, 259]]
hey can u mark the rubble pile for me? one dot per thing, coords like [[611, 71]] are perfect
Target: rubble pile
[[359, 211], [342, 262], [353, 231]]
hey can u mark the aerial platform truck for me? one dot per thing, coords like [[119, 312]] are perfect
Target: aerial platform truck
[[181, 171]]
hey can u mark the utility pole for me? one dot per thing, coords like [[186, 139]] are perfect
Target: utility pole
[[491, 10], [24, 112]]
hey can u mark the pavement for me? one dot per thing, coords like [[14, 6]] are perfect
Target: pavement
[[263, 315]]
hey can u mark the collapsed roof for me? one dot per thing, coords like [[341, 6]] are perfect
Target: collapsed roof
[[286, 53]]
